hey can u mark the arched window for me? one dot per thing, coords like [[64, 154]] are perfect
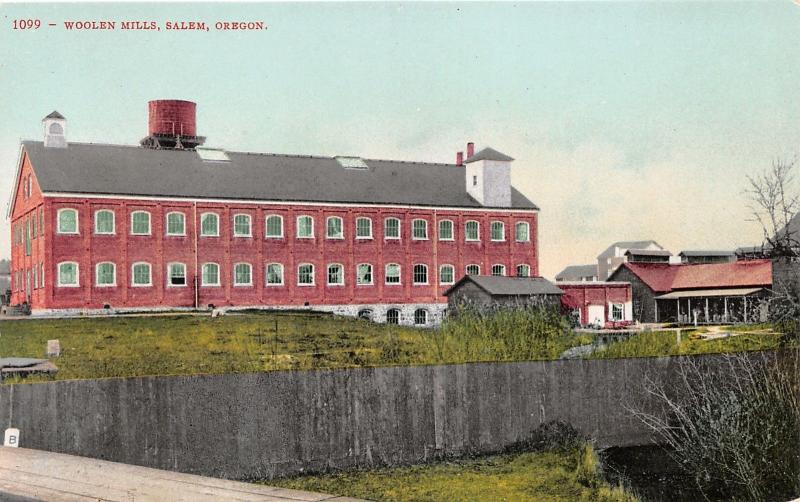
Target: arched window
[[498, 231], [305, 227], [363, 228], [55, 128], [364, 274], [176, 223], [68, 221], [472, 231], [392, 273], [498, 270], [104, 221], [523, 231], [176, 274], [241, 225], [242, 274], [391, 228], [420, 317], [473, 269], [523, 270], [105, 274], [67, 274], [210, 275], [420, 274], [274, 274], [335, 274], [393, 316], [334, 228], [419, 229], [446, 274], [446, 230], [305, 274], [209, 225], [140, 223], [274, 226], [141, 275], [365, 314]]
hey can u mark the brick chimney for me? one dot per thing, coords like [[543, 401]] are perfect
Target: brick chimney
[[459, 158], [470, 149]]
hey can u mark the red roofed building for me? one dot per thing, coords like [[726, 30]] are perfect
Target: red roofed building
[[705, 293]]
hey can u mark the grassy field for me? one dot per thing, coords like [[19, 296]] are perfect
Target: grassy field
[[665, 343], [192, 344], [526, 477]]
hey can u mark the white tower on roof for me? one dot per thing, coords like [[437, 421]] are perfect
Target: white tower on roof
[[55, 130], [488, 178]]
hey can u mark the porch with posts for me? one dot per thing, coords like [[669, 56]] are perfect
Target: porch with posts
[[711, 306]]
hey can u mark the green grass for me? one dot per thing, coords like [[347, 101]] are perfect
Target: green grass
[[195, 344], [664, 343], [571, 475]]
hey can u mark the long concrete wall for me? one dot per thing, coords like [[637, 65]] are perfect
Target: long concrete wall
[[244, 426]]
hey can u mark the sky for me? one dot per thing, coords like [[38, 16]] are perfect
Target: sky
[[626, 120]]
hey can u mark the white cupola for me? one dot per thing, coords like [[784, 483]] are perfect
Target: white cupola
[[55, 130], [488, 178]]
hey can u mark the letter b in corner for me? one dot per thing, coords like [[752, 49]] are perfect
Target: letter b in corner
[[12, 438]]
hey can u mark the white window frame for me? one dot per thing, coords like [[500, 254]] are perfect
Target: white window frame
[[414, 275], [399, 315], [611, 311], [77, 221], [237, 284], [516, 269], [328, 274], [203, 283], [399, 228], [297, 228], [371, 274], [113, 275], [466, 232], [149, 222], [58, 275], [502, 269], [313, 275], [399, 274], [427, 317], [414, 237], [266, 226], [341, 228], [266, 276], [491, 231], [364, 237], [452, 273], [166, 224], [205, 215], [113, 221], [249, 226], [452, 230], [169, 275], [528, 232], [466, 269], [149, 275], [41, 275]]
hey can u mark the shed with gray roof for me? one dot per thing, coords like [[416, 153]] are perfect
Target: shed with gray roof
[[488, 291]]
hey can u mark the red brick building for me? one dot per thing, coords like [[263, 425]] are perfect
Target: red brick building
[[169, 224], [601, 304]]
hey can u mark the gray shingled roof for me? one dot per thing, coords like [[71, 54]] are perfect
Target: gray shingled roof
[[54, 115], [137, 171], [706, 253], [488, 154], [648, 252], [510, 286], [625, 245], [576, 272]]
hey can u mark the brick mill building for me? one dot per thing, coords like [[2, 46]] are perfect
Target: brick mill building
[[170, 224]]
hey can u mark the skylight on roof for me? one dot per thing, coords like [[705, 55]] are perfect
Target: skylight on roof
[[212, 155], [352, 162]]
